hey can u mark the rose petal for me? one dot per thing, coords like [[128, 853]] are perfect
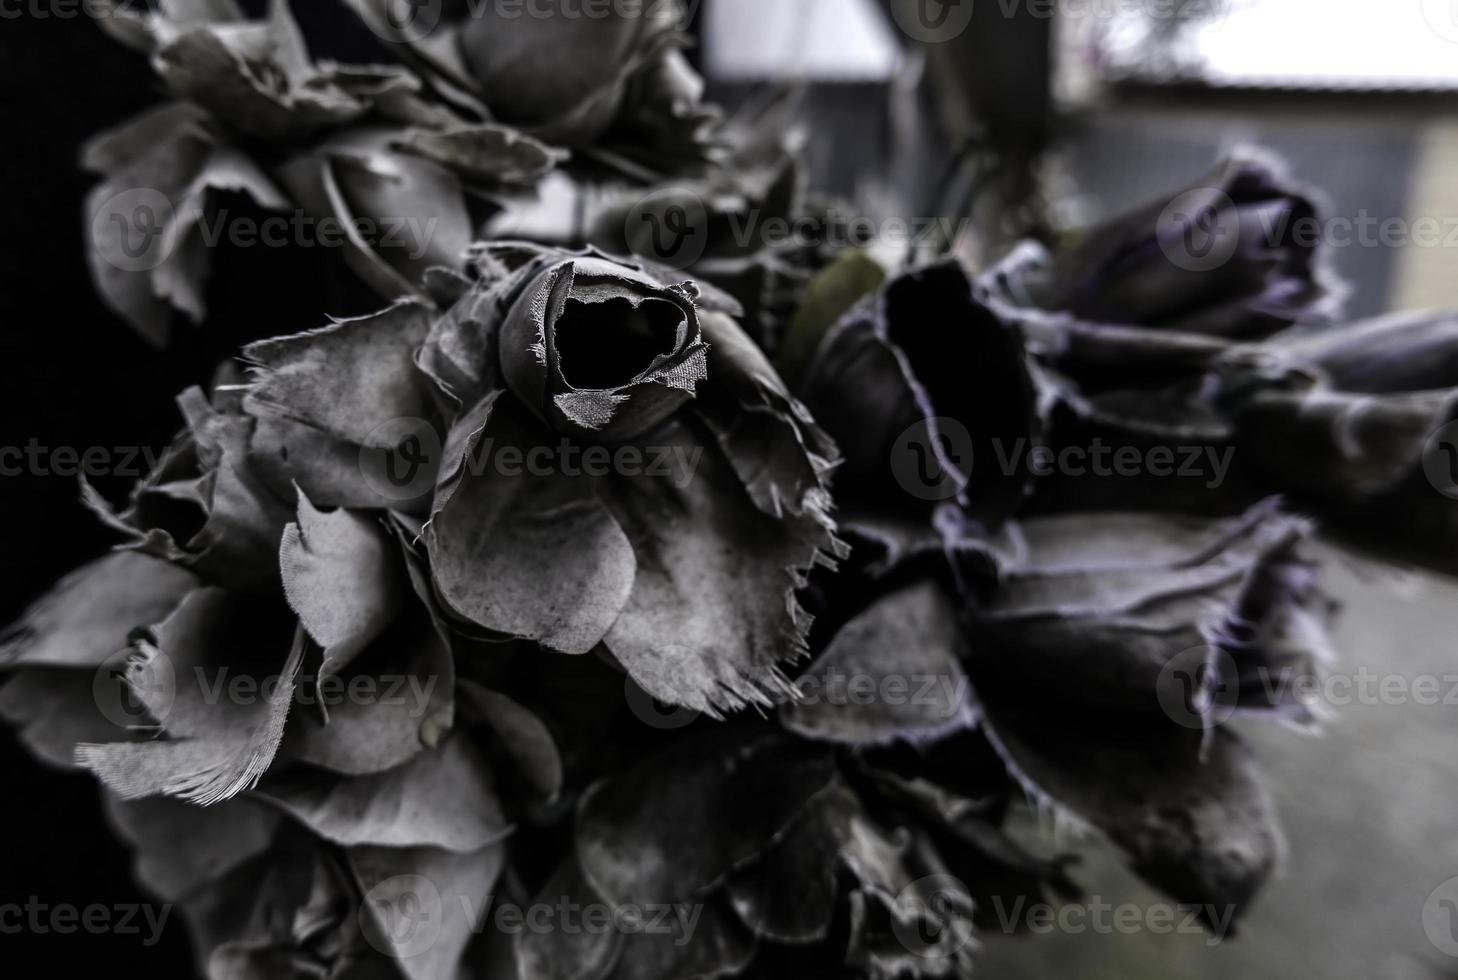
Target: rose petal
[[348, 379], [531, 555], [90, 614], [444, 798], [678, 823], [1189, 811], [712, 616], [890, 674], [340, 576]]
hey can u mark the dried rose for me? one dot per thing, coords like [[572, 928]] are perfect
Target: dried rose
[[371, 157], [239, 697], [924, 387], [1231, 256], [1132, 316], [358, 878], [1356, 422], [1098, 662], [1079, 624], [611, 79], [683, 574], [776, 854]]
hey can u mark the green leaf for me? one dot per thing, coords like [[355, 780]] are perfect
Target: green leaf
[[838, 287]]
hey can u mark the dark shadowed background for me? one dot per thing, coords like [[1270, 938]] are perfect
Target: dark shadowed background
[[75, 376]]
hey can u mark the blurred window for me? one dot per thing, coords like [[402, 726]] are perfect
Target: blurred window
[[1313, 44], [816, 40]]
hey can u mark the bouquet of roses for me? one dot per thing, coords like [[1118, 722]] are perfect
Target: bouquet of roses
[[600, 609]]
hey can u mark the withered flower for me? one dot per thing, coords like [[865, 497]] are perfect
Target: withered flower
[[1095, 655], [670, 495], [1357, 423]]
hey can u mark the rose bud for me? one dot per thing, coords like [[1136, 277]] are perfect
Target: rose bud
[[923, 386], [1230, 256], [1356, 423]]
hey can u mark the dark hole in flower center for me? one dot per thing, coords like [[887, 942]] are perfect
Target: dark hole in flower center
[[608, 344]]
